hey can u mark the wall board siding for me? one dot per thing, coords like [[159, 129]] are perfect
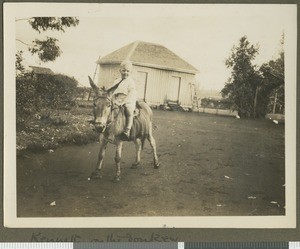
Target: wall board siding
[[158, 83]]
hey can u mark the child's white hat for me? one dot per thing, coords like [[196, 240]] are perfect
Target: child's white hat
[[126, 64]]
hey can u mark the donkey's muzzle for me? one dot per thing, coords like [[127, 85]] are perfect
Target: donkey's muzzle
[[99, 127]]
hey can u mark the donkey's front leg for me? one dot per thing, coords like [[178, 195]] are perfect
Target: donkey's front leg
[[138, 147], [97, 173], [118, 160]]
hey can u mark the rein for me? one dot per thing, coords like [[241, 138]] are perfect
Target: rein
[[109, 119]]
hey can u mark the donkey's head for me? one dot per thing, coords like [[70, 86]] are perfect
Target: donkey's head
[[102, 106]]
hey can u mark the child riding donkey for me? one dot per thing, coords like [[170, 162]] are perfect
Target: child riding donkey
[[126, 95], [113, 119]]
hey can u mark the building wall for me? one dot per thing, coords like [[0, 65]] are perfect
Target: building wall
[[107, 75], [161, 85]]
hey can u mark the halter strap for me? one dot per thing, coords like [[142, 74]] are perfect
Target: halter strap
[[103, 97], [109, 121]]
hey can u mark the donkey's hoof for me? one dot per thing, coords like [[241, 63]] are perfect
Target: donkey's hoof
[[135, 165], [156, 165], [96, 175], [117, 179]]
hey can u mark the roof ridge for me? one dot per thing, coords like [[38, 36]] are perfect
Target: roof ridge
[[152, 43], [39, 67], [41, 70], [135, 44], [148, 53]]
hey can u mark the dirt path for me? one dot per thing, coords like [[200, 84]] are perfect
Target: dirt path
[[210, 165]]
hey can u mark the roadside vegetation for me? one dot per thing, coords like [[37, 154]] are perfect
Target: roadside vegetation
[[47, 113], [69, 127]]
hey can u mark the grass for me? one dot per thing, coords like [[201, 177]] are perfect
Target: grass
[[69, 127]]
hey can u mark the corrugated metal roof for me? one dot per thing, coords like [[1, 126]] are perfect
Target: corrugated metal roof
[[41, 70], [149, 55]]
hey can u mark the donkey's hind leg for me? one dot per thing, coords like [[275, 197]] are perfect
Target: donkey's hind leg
[[153, 146], [138, 146]]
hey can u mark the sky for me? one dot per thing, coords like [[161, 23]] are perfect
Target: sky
[[201, 34]]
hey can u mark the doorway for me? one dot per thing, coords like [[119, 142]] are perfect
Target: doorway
[[141, 85], [174, 89]]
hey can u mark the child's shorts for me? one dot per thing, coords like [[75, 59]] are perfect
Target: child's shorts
[[130, 107]]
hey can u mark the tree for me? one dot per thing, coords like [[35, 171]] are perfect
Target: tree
[[48, 49], [272, 90], [243, 85], [20, 69]]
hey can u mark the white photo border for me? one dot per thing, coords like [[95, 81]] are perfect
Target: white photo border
[[13, 10]]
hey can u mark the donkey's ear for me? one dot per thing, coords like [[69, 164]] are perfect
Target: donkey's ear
[[111, 90], [93, 85]]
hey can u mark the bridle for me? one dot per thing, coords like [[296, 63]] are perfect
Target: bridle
[[110, 118], [109, 121]]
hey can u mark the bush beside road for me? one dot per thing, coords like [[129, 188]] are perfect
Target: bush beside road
[[70, 127]]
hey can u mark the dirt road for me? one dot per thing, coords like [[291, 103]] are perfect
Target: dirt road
[[210, 165]]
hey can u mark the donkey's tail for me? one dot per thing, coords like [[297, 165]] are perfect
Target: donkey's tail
[[145, 121]]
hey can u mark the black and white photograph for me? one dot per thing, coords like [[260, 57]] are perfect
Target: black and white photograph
[[150, 115]]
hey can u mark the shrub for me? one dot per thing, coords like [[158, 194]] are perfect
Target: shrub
[[41, 95], [56, 91], [26, 99]]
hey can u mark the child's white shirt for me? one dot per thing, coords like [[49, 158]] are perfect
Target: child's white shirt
[[126, 92]]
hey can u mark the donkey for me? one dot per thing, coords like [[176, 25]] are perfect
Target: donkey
[[110, 120]]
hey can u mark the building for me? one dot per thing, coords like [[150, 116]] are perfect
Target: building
[[38, 72], [160, 74], [41, 70]]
